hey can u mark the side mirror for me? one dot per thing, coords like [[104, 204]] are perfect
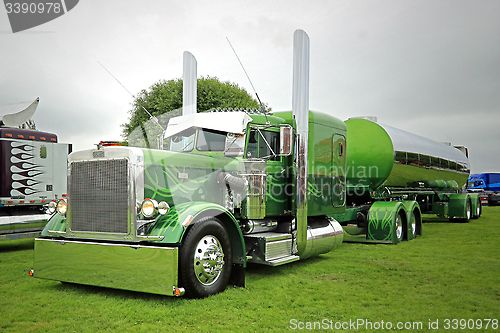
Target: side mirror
[[286, 140]]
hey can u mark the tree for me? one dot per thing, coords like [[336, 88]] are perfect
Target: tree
[[164, 101]]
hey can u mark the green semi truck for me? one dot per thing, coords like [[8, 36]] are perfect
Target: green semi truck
[[227, 188]]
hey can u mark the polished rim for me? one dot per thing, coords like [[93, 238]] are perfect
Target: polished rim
[[413, 224], [208, 260], [468, 210], [399, 227]]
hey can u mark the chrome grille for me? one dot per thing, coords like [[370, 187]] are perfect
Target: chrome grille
[[98, 196]]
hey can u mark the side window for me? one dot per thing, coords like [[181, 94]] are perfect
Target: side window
[[269, 144], [253, 143], [263, 144]]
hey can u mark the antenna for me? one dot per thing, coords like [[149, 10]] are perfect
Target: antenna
[[150, 115], [255, 91]]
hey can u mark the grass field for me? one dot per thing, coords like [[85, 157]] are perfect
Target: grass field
[[451, 272]]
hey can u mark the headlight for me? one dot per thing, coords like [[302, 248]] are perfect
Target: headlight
[[163, 208], [149, 208], [62, 207], [52, 207]]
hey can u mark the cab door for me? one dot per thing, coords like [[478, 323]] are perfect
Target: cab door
[[338, 170]]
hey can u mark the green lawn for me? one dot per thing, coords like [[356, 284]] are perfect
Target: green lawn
[[451, 272]]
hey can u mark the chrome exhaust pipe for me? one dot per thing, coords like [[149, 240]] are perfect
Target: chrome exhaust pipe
[[300, 111], [189, 84]]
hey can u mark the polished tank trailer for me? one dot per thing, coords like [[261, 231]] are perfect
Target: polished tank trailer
[[394, 177]]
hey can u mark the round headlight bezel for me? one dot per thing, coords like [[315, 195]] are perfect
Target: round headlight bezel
[[163, 208], [149, 208], [52, 207], [62, 207]]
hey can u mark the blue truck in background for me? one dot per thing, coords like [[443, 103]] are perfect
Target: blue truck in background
[[489, 183]]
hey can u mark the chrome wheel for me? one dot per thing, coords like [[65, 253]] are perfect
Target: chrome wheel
[[208, 260], [413, 225], [205, 258], [399, 227]]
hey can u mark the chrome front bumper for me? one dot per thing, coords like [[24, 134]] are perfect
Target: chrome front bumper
[[134, 267]]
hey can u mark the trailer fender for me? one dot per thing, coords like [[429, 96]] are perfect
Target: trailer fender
[[476, 206], [387, 222], [414, 218], [174, 225], [460, 207]]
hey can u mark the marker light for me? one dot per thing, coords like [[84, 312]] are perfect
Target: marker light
[[163, 208], [149, 207], [62, 207]]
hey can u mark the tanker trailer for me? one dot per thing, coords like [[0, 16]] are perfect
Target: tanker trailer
[[393, 177]]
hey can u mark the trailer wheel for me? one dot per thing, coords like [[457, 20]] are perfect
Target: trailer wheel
[[205, 259], [479, 209], [468, 213], [413, 223], [398, 225]]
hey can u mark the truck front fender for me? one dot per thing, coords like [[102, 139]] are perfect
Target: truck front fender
[[56, 224], [173, 225]]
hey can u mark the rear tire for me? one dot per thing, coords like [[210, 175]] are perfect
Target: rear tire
[[205, 259]]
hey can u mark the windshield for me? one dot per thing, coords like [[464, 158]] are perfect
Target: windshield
[[210, 140], [183, 141], [207, 140]]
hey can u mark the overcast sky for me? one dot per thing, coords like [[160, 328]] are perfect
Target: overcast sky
[[428, 67]]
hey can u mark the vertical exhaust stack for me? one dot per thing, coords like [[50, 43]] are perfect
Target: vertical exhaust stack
[[300, 110], [189, 84]]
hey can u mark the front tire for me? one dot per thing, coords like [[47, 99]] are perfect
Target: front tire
[[205, 259]]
